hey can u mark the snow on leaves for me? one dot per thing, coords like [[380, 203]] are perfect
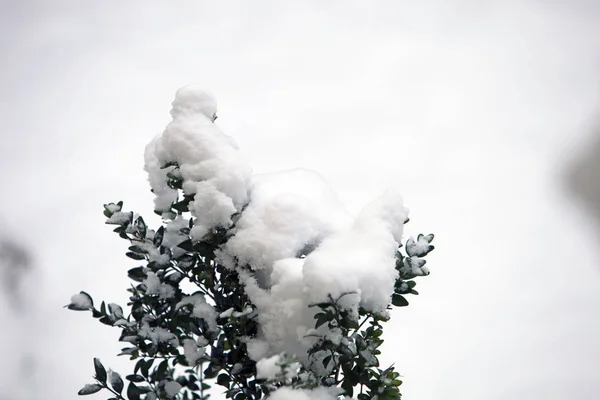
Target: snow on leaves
[[262, 285]]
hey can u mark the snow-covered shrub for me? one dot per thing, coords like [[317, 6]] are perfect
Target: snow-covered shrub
[[289, 291]]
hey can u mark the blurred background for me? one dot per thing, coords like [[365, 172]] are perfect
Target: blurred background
[[486, 115]]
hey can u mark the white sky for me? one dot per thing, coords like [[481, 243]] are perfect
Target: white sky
[[472, 109]]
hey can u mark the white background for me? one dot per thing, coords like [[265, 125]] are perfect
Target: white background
[[473, 109]]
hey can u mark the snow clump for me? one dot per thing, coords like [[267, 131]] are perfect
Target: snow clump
[[205, 159], [300, 243], [289, 214]]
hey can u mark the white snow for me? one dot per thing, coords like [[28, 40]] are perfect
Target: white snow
[[268, 368], [201, 309], [81, 301], [156, 287], [277, 367], [119, 218], [172, 388], [153, 253], [227, 313], [320, 393], [283, 314], [112, 207], [257, 348], [367, 354], [419, 246], [173, 236], [246, 311], [192, 351], [116, 310], [294, 233], [157, 334], [192, 100], [209, 162], [414, 265], [289, 212], [360, 259]]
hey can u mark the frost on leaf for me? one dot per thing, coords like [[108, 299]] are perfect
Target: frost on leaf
[[421, 247], [119, 218], [90, 388], [81, 302], [412, 267]]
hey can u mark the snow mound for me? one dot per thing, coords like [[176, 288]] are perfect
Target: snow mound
[[359, 259], [291, 229], [208, 163], [289, 214]]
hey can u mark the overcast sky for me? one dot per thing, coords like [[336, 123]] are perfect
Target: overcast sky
[[474, 110]]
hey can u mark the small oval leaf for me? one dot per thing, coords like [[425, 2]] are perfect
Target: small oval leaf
[[90, 388], [100, 371], [133, 393], [116, 382]]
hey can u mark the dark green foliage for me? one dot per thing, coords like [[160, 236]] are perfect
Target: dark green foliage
[[345, 357]]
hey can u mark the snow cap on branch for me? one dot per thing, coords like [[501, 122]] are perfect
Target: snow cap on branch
[[359, 259], [208, 163], [289, 214], [194, 99], [320, 393]]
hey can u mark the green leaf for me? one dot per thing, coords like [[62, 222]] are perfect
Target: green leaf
[[159, 373], [90, 388], [206, 249], [399, 300], [348, 387], [320, 305], [187, 245], [135, 256], [138, 365], [135, 378], [138, 249], [144, 389], [182, 206], [116, 382], [146, 367], [224, 380], [100, 371], [158, 236], [141, 227], [350, 322], [137, 274], [133, 393], [211, 371], [322, 319]]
